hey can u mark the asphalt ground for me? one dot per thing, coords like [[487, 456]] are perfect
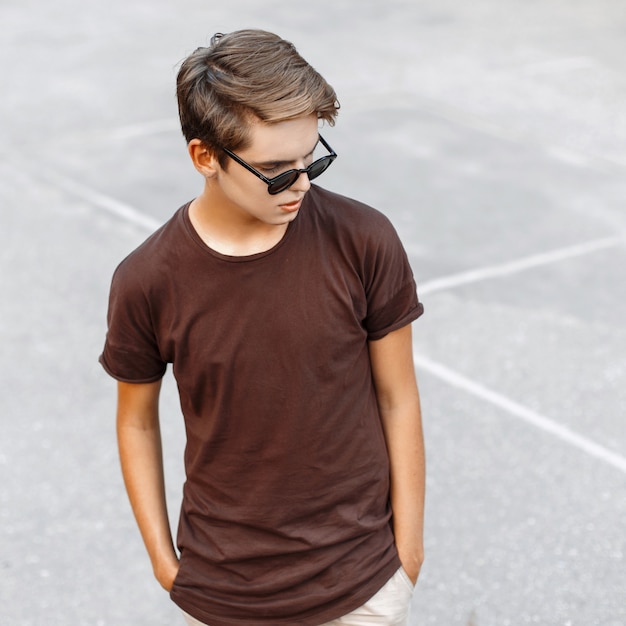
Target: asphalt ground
[[492, 133]]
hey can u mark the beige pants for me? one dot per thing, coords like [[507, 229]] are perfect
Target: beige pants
[[388, 607]]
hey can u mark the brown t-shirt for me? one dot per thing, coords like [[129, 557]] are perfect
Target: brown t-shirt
[[285, 516]]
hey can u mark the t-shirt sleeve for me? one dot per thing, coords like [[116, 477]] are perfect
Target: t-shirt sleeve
[[390, 288], [131, 351]]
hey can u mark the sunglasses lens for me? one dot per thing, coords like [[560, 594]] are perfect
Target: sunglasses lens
[[282, 182], [319, 167]]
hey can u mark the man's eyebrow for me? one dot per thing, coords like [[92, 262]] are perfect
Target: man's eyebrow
[[275, 164]]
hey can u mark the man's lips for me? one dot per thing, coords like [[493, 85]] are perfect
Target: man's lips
[[291, 206]]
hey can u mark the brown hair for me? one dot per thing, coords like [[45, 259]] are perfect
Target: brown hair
[[245, 75]]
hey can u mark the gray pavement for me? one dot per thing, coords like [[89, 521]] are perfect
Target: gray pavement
[[492, 133]]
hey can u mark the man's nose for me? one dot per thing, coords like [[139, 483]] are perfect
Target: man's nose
[[302, 183]]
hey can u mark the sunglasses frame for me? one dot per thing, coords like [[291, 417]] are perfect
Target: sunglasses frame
[[307, 170]]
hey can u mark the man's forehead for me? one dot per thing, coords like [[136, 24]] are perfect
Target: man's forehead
[[285, 141]]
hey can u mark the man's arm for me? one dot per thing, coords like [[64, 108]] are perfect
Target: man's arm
[[139, 441], [398, 401]]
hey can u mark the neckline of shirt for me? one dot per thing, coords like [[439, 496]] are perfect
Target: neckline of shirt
[[191, 231]]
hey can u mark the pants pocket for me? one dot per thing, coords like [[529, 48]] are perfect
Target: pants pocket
[[406, 579]]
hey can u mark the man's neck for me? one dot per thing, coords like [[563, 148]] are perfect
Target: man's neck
[[221, 230]]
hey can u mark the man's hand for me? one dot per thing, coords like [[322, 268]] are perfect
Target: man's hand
[[166, 572]]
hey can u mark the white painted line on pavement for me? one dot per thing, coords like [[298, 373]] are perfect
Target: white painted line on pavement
[[557, 66], [102, 201], [520, 265], [604, 162], [521, 412], [142, 129]]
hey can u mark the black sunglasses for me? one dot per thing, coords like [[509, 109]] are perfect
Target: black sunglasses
[[286, 179]]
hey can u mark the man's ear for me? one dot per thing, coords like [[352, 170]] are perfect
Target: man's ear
[[204, 159]]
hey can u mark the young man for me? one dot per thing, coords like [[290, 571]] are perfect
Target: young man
[[285, 311]]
